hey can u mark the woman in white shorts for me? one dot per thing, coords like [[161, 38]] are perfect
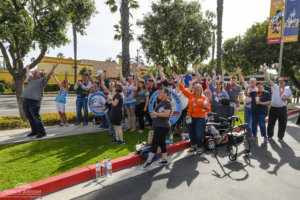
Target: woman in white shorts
[[61, 99]]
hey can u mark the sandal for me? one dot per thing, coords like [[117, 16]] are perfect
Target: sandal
[[199, 152], [191, 150]]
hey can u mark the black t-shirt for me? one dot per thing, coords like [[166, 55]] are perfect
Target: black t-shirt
[[264, 97], [162, 121], [118, 107]]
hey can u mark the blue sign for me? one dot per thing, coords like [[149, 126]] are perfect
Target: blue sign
[[176, 106], [97, 103]]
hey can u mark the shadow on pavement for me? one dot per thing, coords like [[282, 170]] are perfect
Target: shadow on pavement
[[183, 170]]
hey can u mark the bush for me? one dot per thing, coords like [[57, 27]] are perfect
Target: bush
[[49, 119], [2, 87], [51, 88]]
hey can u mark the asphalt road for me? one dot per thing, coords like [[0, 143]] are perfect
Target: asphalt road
[[9, 106], [271, 172]]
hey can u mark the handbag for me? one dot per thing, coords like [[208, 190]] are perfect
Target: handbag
[[188, 118]]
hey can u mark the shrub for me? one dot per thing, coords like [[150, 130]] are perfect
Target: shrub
[[49, 119], [51, 88], [2, 87]]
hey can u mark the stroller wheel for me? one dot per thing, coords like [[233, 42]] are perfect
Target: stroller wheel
[[232, 157], [210, 144]]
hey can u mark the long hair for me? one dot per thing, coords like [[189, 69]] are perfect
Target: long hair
[[144, 85], [198, 85]]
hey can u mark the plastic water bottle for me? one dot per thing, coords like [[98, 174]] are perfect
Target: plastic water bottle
[[98, 172], [104, 168], [171, 138], [109, 168]]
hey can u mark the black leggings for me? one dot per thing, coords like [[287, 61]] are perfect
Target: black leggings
[[159, 139], [140, 114]]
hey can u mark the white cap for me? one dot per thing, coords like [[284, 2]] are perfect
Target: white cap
[[99, 72]]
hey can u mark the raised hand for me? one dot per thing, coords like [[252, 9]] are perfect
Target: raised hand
[[196, 67], [54, 65], [159, 67], [66, 73], [213, 71], [238, 70], [223, 72]]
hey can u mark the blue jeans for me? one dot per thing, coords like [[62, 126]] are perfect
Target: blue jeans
[[196, 131], [104, 121], [259, 119], [32, 112], [248, 119], [81, 103], [112, 130]]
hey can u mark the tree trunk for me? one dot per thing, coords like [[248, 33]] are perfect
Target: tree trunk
[[75, 51], [19, 83], [213, 53], [219, 35], [125, 37]]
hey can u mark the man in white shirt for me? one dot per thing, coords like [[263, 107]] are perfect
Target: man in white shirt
[[280, 97]]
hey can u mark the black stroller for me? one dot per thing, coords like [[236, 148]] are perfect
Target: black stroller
[[220, 129]]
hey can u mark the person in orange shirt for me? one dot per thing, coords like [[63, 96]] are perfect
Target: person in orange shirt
[[198, 108]]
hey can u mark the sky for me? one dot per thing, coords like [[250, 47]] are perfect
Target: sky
[[98, 43]]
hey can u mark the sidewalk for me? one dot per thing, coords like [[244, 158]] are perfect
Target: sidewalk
[[20, 135]]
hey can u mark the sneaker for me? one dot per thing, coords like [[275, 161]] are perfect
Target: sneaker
[[252, 138], [66, 124], [85, 123], [280, 140], [146, 165], [61, 124], [32, 134], [121, 142], [114, 141], [270, 138], [265, 139], [77, 123], [162, 163], [41, 135]]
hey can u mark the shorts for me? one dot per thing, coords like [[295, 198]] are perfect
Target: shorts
[[130, 105], [61, 107]]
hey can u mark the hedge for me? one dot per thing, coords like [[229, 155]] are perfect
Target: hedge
[[54, 88], [2, 87], [49, 119]]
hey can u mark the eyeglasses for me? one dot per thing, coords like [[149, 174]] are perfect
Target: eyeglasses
[[218, 84]]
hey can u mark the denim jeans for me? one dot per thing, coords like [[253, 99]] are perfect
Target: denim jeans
[[81, 103], [104, 121], [32, 112], [112, 130], [248, 118], [196, 131], [259, 119]]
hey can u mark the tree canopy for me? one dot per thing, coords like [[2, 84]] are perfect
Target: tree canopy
[[176, 34], [251, 50]]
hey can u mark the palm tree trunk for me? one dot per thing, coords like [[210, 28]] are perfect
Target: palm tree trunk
[[75, 51], [125, 37], [219, 34], [213, 53]]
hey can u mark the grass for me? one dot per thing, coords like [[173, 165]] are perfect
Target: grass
[[33, 161]]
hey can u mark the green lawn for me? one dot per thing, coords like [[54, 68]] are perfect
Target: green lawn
[[25, 163]]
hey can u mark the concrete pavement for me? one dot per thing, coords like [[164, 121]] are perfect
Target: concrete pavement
[[20, 135], [271, 172]]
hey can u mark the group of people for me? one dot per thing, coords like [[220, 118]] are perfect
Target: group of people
[[198, 95]]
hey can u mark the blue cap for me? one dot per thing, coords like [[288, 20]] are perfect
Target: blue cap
[[188, 78]]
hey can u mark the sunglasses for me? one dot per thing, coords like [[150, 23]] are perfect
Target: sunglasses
[[218, 84]]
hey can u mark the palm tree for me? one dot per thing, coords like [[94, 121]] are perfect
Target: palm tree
[[213, 52], [219, 34], [125, 6]]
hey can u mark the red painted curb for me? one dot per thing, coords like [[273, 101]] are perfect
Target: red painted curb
[[48, 185], [55, 183]]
